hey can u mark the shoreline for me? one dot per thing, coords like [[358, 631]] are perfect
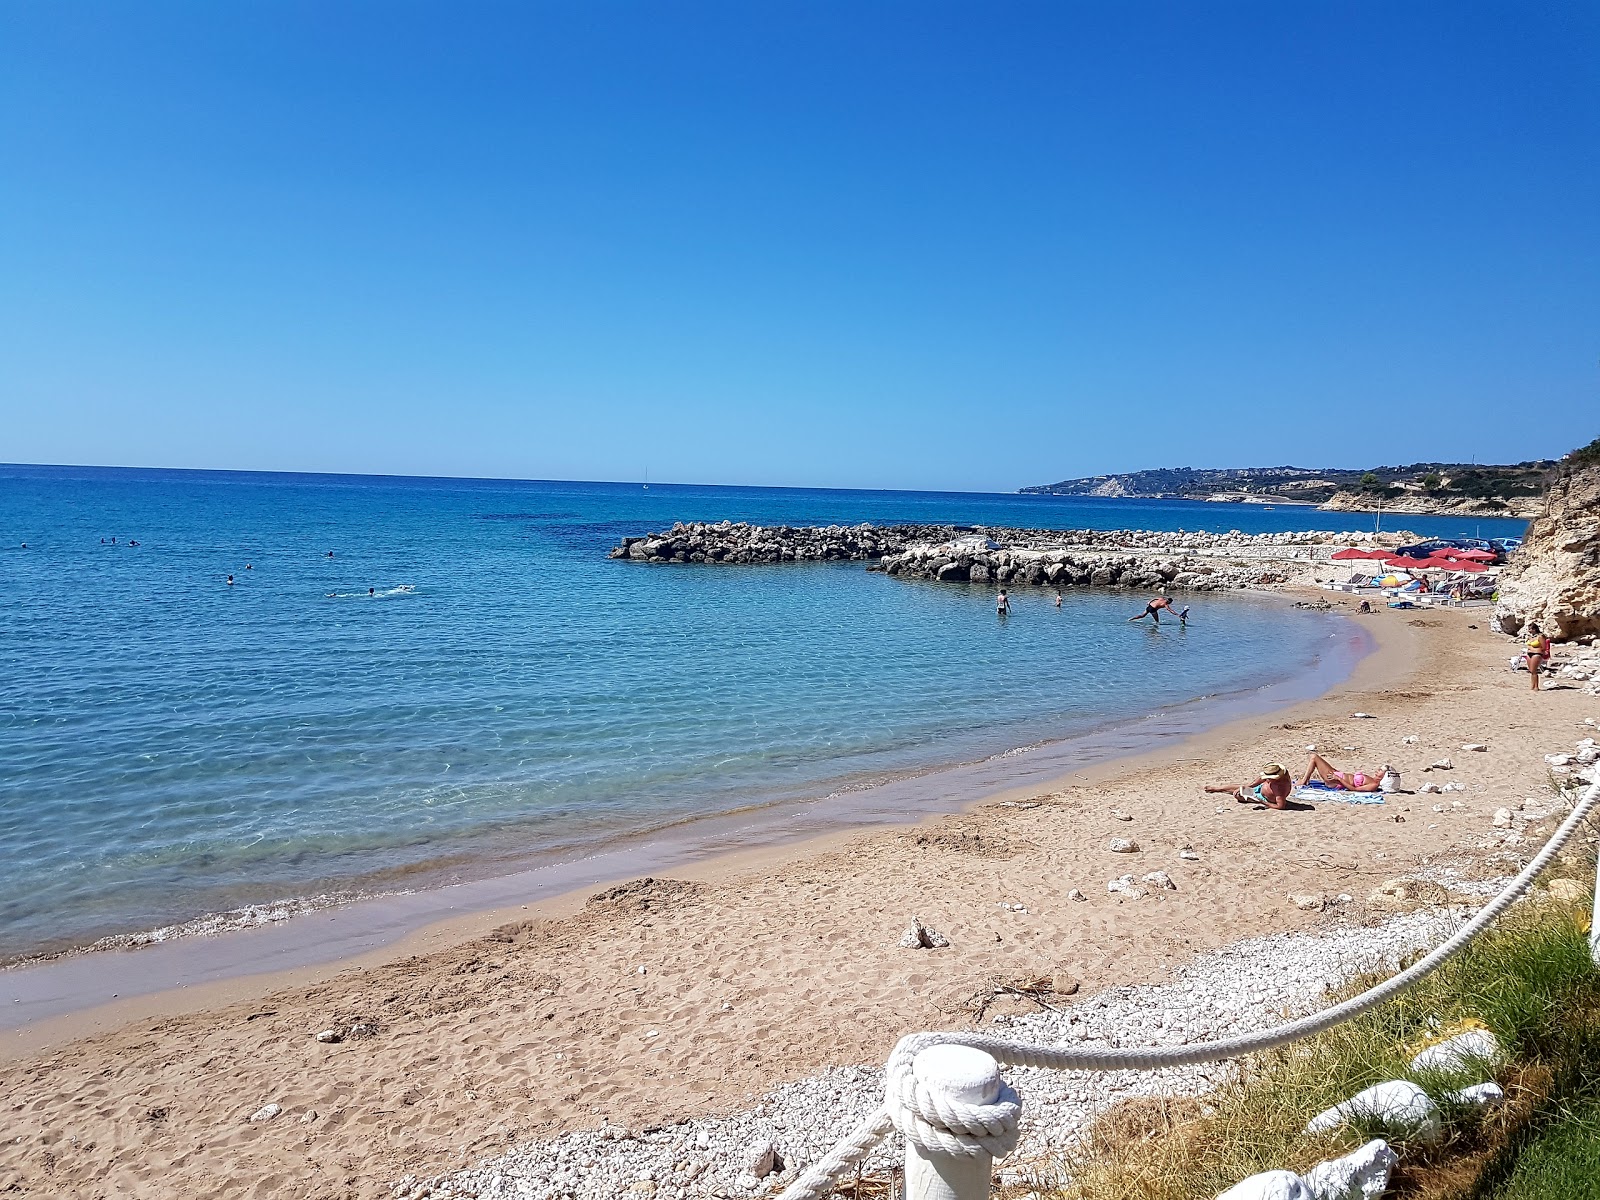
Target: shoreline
[[208, 959], [697, 994]]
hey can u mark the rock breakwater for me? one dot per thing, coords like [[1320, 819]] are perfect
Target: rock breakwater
[[1124, 558], [738, 542]]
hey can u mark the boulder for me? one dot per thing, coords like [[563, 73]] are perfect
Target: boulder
[[1120, 845], [1360, 1175], [1568, 891], [1398, 1105], [1475, 1050], [1270, 1185]]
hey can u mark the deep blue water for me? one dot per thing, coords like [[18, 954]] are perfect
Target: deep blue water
[[173, 745]]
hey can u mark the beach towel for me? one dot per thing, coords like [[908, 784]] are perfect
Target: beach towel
[[1317, 792]]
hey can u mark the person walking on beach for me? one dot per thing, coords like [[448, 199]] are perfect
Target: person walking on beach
[[1002, 605], [1270, 789], [1538, 648], [1153, 609]]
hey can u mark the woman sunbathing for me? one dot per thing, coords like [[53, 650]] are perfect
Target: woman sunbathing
[[1348, 781], [1270, 788]]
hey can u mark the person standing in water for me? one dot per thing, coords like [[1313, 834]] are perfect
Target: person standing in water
[[1183, 617], [1058, 597], [1153, 609], [1002, 605]]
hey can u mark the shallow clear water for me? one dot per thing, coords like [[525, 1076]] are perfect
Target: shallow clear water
[[173, 745]]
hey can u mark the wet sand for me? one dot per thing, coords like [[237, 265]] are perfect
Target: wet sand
[[759, 966]]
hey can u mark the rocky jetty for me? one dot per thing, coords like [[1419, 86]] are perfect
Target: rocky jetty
[[1554, 579], [738, 542], [1125, 558]]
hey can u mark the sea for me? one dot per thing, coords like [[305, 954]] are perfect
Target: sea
[[414, 681]]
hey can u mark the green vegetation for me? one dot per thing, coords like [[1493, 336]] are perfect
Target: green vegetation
[[1585, 456], [1562, 1161], [1530, 980]]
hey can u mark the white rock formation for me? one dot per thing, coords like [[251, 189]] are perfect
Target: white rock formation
[[1397, 1104]]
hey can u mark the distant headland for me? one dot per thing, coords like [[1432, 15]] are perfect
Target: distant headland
[[1472, 488]]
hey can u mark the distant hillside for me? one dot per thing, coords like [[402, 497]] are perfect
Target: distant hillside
[[1420, 487]]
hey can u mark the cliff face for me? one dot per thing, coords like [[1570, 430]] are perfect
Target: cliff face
[[1355, 501], [1555, 578]]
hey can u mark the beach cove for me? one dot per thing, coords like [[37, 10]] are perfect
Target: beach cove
[[518, 1024], [416, 683]]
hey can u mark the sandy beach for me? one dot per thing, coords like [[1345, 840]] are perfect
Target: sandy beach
[[656, 1000]]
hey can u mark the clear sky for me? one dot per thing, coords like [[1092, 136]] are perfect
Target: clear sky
[[919, 244]]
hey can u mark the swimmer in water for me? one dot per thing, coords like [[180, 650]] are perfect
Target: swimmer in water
[[230, 580], [1002, 604], [248, 567], [330, 553], [372, 591], [1153, 609]]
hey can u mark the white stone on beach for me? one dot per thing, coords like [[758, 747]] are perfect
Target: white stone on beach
[[1308, 902], [1409, 740], [1568, 891], [330, 1035], [1443, 764], [1124, 886], [1473, 1050], [266, 1112], [1360, 1175], [1160, 879], [920, 937], [1187, 853], [1119, 815], [1122, 846], [1363, 716], [761, 1158], [1075, 894], [1270, 1185], [1502, 818], [1397, 1104], [1476, 746], [1480, 1094]]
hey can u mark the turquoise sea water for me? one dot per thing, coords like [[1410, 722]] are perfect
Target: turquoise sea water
[[173, 745]]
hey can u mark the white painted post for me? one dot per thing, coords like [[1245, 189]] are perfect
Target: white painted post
[[965, 1074]]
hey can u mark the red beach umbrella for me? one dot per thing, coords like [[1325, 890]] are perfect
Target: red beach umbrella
[[1469, 565], [1413, 564], [1482, 556], [1352, 554]]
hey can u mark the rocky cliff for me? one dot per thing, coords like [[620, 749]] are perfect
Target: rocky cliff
[[1434, 504], [1555, 578]]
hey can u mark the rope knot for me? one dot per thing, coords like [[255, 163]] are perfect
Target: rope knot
[[948, 1098]]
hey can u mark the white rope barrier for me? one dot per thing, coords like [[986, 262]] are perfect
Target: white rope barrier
[[938, 1123]]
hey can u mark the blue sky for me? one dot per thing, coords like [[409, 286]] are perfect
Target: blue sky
[[968, 246]]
